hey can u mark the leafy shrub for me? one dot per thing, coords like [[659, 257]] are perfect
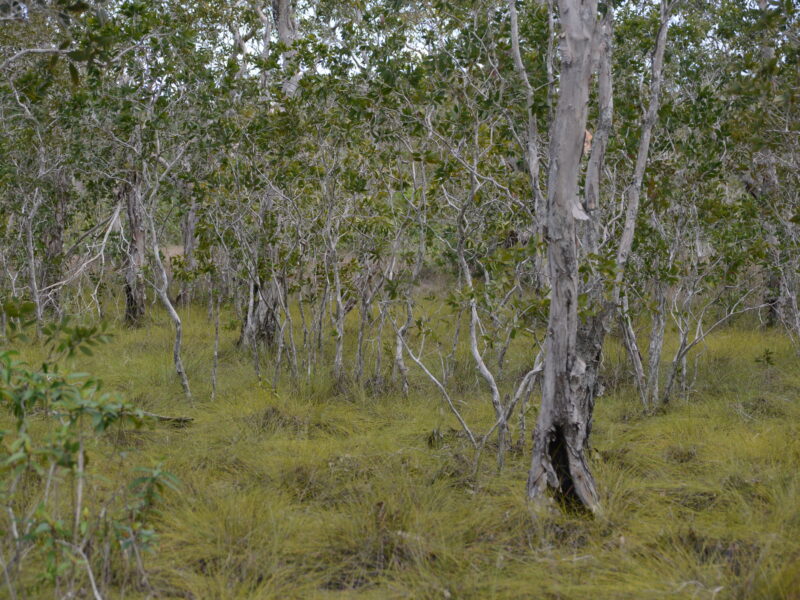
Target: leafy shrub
[[60, 525]]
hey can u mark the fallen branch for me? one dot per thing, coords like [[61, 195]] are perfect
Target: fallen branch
[[175, 421]]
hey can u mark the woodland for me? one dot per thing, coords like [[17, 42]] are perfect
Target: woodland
[[395, 299]]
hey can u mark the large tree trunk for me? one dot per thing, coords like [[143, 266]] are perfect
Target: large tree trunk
[[134, 267], [592, 332], [562, 429], [285, 23]]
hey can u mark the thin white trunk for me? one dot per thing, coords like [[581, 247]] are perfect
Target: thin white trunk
[[32, 278], [215, 362], [649, 122], [400, 369], [656, 345], [162, 291], [338, 359], [632, 346], [532, 137]]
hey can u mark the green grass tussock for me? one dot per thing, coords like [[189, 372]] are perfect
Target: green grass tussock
[[308, 493]]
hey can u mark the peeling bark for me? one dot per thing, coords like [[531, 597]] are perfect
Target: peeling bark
[[562, 429]]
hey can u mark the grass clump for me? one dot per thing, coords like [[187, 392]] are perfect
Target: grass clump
[[287, 493]]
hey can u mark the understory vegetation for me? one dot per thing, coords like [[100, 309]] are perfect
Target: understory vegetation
[[399, 299], [324, 492]]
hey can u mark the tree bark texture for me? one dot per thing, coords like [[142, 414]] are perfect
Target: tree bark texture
[[134, 267], [562, 429]]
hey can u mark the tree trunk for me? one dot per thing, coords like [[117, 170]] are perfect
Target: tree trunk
[[643, 152], [789, 295], [400, 370], [772, 292], [162, 291], [215, 301], [338, 359], [189, 227], [632, 346], [592, 332], [562, 429], [364, 314], [52, 268], [285, 23], [134, 268], [532, 140], [656, 345], [32, 275], [675, 368], [605, 121], [260, 324]]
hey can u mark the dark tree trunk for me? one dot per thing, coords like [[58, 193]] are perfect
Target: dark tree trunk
[[53, 267], [772, 295], [134, 267]]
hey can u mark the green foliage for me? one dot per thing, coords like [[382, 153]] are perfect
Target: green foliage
[[402, 155], [52, 520]]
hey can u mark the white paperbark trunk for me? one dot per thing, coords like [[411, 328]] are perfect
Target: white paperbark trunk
[[562, 428], [162, 291]]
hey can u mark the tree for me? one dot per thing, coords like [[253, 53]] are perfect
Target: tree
[[562, 428]]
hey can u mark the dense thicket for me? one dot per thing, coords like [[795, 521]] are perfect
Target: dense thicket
[[306, 163]]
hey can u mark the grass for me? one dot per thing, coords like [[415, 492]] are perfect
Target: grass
[[321, 493]]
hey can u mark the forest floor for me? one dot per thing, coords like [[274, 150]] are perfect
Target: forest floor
[[320, 493]]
